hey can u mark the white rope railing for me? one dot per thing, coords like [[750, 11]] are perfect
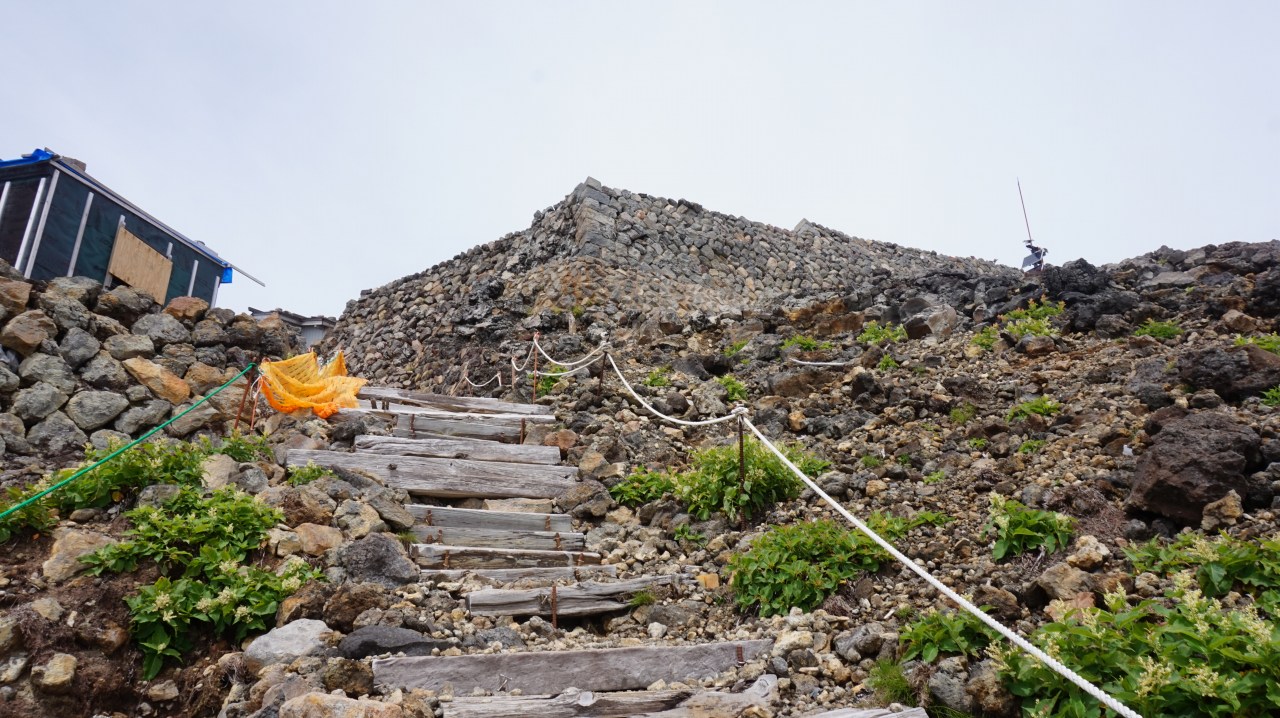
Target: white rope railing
[[740, 414], [496, 377], [589, 357]]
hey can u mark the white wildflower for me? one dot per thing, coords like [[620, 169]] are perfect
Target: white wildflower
[[163, 600]]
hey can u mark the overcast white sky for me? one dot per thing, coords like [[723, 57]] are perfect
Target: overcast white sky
[[327, 147]]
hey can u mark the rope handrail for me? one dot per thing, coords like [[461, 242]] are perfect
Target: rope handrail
[[740, 413], [536, 345], [30, 500]]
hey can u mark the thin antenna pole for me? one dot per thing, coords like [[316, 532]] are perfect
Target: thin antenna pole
[[1024, 209]]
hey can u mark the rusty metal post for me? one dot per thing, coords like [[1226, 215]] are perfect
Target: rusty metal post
[[535, 374], [555, 624], [250, 378], [522, 429]]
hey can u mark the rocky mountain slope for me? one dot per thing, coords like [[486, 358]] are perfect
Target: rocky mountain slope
[[1139, 410]]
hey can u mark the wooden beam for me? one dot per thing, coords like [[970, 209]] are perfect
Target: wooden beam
[[482, 519], [430, 555], [872, 713], [581, 599], [511, 575], [568, 705], [450, 478], [449, 403], [541, 672], [454, 448], [418, 425], [501, 538]]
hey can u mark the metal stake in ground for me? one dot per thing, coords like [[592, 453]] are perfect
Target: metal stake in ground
[[742, 471]]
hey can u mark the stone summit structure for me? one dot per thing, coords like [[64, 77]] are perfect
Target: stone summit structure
[[616, 259]]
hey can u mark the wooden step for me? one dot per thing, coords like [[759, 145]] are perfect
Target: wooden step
[[455, 448], [484, 519], [413, 425], [449, 403], [430, 555], [510, 575], [501, 538], [553, 672], [450, 478], [580, 599], [686, 703]]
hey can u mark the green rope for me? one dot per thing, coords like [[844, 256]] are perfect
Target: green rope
[[122, 449]]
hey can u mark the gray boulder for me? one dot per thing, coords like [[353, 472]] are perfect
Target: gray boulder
[[104, 372], [49, 369], [56, 434], [143, 417], [128, 346], [93, 409], [64, 311], [376, 640], [38, 401], [162, 329], [303, 637], [78, 347], [378, 558]]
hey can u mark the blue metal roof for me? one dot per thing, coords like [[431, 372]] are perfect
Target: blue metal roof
[[35, 157]]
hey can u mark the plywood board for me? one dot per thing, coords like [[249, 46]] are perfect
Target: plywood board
[[140, 266]]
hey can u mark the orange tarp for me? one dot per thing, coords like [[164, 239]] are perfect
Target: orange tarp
[[301, 383]]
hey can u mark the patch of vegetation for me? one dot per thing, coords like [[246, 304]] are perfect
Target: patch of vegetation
[[986, 338], [1271, 397], [1034, 310], [732, 350], [712, 483], [1018, 529], [684, 533], [544, 383], [1270, 342], [201, 546], [152, 462], [887, 363], [1181, 655], [963, 414], [904, 460], [658, 377], [642, 486], [642, 598], [240, 447], [1219, 565], [1039, 406], [300, 475], [1034, 320], [871, 461], [939, 632], [1159, 330], [874, 333], [935, 477], [1031, 446], [979, 443], [802, 564], [736, 390], [806, 343], [890, 683]]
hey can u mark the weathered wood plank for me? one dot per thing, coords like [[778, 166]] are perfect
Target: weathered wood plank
[[573, 704], [449, 403], [412, 425], [509, 575], [606, 669], [580, 599], [430, 555], [450, 477], [421, 413], [476, 450], [501, 538], [483, 519]]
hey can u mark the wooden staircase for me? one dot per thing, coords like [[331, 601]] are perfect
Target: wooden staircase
[[453, 448]]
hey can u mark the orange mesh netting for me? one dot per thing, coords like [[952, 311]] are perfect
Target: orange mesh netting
[[301, 383]]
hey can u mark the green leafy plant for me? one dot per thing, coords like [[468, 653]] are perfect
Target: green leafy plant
[[658, 377], [642, 598], [1220, 565], [200, 546], [684, 533], [241, 447], [1159, 330], [732, 350], [978, 442], [986, 338], [875, 333], [871, 461], [1039, 406], [802, 564], [1182, 655], [1020, 328], [935, 477], [887, 363], [736, 390], [1034, 320], [544, 383], [938, 632], [1018, 529], [1031, 446], [713, 484], [1037, 310], [1270, 342], [805, 343], [642, 486], [890, 683], [300, 475], [1271, 397], [904, 460], [963, 414]]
